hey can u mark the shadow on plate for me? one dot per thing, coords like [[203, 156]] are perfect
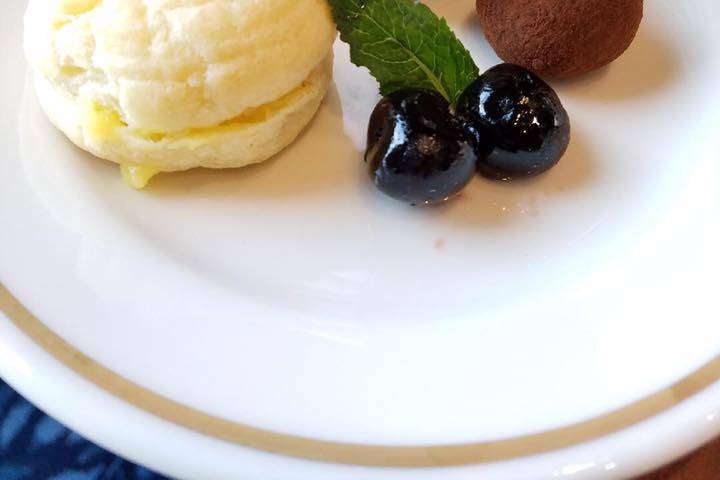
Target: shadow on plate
[[648, 67], [494, 204]]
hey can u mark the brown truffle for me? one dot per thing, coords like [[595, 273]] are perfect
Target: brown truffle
[[560, 38]]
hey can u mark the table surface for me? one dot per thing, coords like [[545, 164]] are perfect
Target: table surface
[[704, 464], [26, 432]]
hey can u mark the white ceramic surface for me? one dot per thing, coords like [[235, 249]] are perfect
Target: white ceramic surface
[[293, 297]]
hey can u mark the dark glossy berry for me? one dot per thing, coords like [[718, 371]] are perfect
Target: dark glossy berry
[[517, 121], [417, 151]]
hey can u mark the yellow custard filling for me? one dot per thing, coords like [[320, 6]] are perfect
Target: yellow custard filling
[[103, 123], [137, 176], [100, 123], [77, 7]]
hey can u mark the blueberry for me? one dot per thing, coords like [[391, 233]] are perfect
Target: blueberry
[[519, 126], [417, 151]]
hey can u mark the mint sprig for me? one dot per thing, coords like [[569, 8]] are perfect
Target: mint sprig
[[404, 45]]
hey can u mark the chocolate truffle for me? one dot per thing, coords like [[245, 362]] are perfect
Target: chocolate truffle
[[560, 38]]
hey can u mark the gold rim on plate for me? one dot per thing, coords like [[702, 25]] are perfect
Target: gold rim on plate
[[348, 453]]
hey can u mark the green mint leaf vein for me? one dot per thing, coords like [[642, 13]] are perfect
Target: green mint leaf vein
[[404, 45]]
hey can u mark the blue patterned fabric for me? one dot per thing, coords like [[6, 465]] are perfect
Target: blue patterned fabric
[[33, 446]]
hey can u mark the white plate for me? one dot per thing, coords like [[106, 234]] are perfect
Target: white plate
[[562, 326]]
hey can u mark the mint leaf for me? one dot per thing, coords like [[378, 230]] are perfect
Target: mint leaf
[[404, 45]]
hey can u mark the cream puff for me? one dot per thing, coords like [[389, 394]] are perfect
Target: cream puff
[[166, 85]]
